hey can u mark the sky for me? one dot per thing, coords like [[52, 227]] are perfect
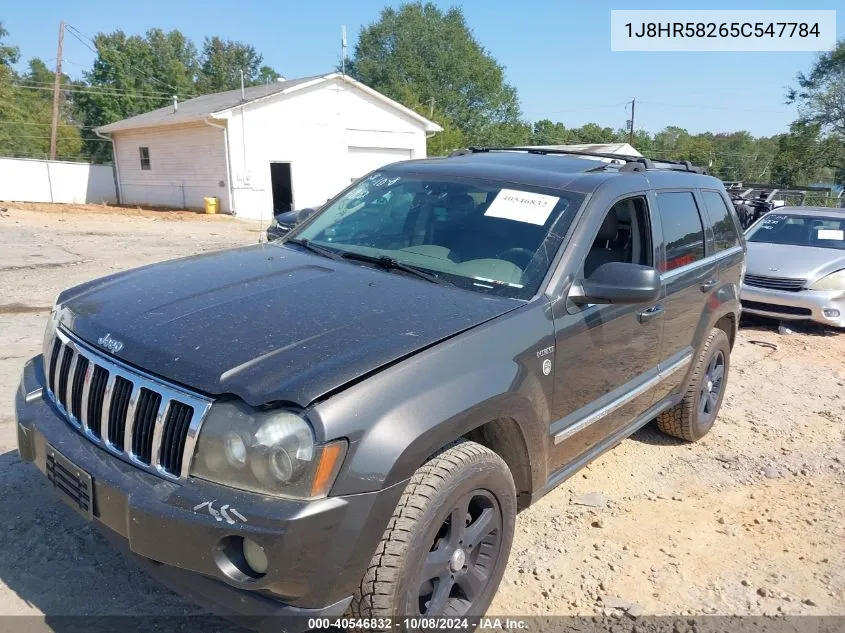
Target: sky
[[555, 52]]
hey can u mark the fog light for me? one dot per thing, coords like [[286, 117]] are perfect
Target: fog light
[[255, 556], [831, 314]]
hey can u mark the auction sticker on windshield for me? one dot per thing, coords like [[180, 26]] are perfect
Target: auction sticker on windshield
[[831, 234], [522, 206]]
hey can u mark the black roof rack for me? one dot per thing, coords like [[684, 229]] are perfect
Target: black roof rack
[[630, 163]]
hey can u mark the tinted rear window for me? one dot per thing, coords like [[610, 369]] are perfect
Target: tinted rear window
[[683, 233], [724, 229]]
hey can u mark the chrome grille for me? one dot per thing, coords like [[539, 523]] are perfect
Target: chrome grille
[[142, 419], [787, 284]]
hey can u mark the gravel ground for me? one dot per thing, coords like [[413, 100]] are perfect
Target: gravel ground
[[749, 521]]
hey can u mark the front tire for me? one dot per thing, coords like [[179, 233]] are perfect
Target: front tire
[[447, 544], [693, 417]]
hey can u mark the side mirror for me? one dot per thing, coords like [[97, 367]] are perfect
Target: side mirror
[[618, 282], [304, 214], [289, 219]]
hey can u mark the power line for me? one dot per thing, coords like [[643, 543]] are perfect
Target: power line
[[79, 35], [73, 125], [73, 63], [586, 107], [116, 92], [44, 156], [707, 107], [30, 83], [16, 136]]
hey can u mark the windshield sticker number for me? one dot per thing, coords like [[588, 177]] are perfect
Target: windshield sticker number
[[359, 192], [774, 219], [831, 234], [380, 180], [522, 206]]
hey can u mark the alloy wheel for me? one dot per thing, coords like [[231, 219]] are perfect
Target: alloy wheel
[[711, 387], [460, 563]]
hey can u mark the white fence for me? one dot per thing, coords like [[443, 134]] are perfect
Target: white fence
[[29, 180]]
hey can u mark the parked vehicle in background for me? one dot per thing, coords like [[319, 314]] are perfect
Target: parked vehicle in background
[[752, 204], [796, 265], [347, 420], [752, 201], [284, 222]]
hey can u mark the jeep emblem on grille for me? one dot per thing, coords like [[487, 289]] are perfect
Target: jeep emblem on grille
[[109, 343]]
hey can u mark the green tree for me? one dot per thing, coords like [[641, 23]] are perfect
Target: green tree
[[131, 75], [222, 62], [420, 54], [135, 74], [803, 154], [504, 134], [593, 133], [265, 74], [26, 109], [547, 133], [643, 142], [8, 54], [820, 94]]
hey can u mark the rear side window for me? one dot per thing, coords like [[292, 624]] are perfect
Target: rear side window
[[683, 232], [724, 229]]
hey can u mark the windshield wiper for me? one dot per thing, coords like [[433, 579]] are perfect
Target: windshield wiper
[[314, 248], [389, 263]]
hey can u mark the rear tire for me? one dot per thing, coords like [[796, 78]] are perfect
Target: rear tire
[[447, 544], [694, 416]]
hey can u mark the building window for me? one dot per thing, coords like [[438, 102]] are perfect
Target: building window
[[145, 158]]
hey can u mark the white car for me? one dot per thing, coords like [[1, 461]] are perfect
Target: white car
[[796, 265]]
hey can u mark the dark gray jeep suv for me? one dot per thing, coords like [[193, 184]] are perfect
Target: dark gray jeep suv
[[347, 420]]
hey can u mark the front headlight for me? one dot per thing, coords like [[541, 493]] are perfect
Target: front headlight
[[269, 452], [833, 281]]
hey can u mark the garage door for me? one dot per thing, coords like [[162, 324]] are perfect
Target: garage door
[[363, 160]]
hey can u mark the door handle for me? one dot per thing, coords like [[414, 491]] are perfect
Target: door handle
[[709, 285], [647, 315]]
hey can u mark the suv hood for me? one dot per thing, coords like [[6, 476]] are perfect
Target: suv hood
[[268, 322]]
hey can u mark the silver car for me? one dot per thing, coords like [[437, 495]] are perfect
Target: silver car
[[796, 265]]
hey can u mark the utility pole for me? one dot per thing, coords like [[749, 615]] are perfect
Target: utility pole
[[57, 92], [631, 130]]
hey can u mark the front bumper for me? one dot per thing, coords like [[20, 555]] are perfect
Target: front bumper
[[318, 550], [804, 305]]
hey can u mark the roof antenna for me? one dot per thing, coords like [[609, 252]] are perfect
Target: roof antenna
[[243, 94], [343, 49]]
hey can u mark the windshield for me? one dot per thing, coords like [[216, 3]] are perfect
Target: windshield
[[482, 237], [800, 230]]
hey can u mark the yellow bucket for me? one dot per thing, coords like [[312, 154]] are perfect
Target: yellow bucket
[[211, 204]]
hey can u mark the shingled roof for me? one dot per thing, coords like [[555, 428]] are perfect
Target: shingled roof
[[200, 108]]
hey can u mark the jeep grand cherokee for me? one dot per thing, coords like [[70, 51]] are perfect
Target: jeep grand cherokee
[[347, 420]]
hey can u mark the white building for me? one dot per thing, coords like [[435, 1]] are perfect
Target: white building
[[286, 145], [622, 149]]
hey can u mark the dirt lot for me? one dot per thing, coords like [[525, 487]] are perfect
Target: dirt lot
[[749, 521]]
